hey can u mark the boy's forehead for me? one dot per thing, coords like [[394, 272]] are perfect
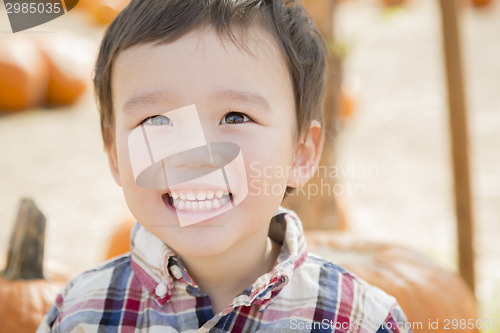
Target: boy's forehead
[[254, 46], [254, 41]]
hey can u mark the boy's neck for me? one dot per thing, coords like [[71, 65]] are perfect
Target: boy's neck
[[223, 277]]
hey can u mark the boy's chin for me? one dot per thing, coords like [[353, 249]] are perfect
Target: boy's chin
[[202, 242]]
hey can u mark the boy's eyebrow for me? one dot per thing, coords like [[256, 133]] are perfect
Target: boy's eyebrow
[[145, 98], [245, 96], [235, 95]]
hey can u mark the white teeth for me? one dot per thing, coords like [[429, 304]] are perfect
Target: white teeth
[[216, 204], [199, 201], [200, 196], [225, 200], [180, 205]]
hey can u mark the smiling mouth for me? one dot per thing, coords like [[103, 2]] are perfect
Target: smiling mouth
[[197, 201]]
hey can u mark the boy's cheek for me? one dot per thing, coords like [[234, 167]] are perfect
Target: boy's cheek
[[124, 166], [266, 180]]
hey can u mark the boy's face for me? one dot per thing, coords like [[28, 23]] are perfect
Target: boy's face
[[244, 99]]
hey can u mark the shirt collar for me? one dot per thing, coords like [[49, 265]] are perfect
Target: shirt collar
[[157, 267]]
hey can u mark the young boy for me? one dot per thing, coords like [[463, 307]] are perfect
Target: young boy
[[210, 110]]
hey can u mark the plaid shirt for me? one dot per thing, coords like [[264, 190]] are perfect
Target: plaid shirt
[[151, 291]]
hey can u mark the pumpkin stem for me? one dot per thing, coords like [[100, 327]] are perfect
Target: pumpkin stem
[[25, 253]]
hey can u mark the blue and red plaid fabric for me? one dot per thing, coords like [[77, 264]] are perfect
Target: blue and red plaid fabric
[[149, 290]]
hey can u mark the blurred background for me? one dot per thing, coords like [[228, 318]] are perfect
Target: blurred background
[[392, 141]]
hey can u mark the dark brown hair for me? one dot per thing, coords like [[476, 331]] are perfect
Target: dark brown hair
[[164, 21]]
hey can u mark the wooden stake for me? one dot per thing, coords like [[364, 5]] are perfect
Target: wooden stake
[[322, 211], [459, 138], [25, 253]]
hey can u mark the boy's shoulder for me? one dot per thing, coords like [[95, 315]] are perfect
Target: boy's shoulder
[[332, 277], [101, 273], [339, 297], [96, 283]]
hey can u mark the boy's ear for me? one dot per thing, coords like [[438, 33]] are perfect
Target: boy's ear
[[307, 156], [113, 161]]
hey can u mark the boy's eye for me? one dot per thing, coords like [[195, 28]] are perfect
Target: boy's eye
[[159, 120], [234, 118]]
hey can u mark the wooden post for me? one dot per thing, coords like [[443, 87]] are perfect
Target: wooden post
[[459, 138], [321, 211]]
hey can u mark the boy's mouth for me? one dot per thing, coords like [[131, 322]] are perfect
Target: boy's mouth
[[197, 201]]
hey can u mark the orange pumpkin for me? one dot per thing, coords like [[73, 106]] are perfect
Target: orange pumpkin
[[23, 74], [481, 3], [25, 292], [103, 12], [68, 57], [120, 240], [390, 3], [32, 299], [346, 104], [425, 291]]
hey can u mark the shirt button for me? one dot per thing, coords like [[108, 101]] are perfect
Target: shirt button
[[176, 271], [161, 289], [268, 295]]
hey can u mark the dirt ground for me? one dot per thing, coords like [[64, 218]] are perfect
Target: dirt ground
[[398, 132]]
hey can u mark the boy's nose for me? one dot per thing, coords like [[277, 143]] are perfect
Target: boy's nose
[[188, 165], [199, 161], [195, 158]]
